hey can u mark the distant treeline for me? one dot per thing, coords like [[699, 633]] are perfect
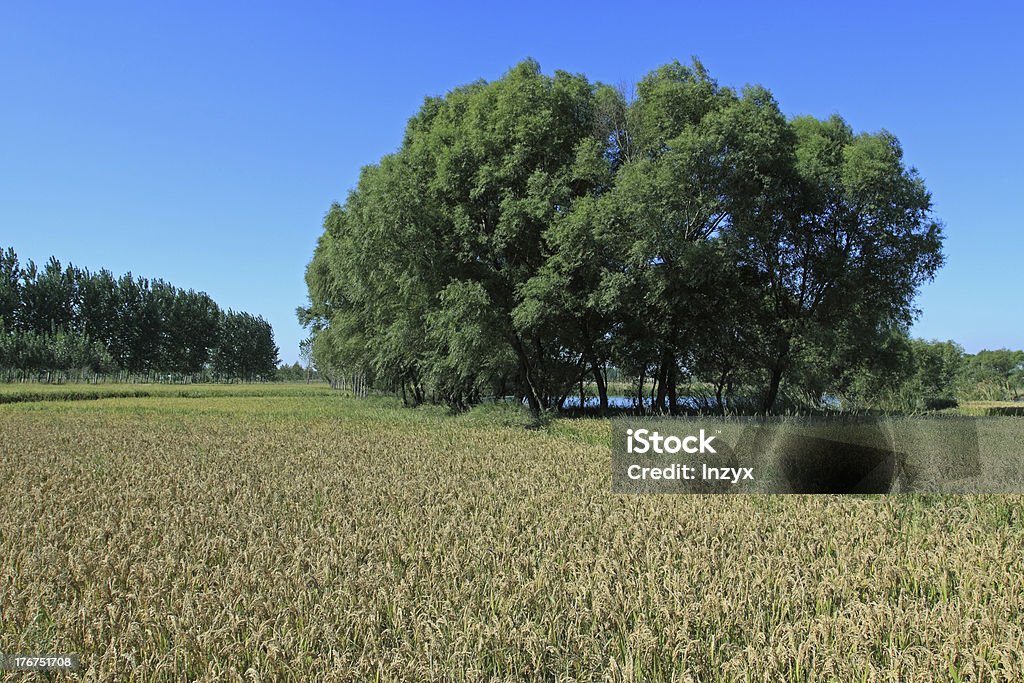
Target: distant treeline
[[64, 319], [915, 374], [296, 372]]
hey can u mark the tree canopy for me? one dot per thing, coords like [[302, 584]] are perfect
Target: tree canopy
[[532, 231]]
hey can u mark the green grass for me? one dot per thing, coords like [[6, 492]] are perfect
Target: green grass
[[992, 409], [285, 532], [32, 392]]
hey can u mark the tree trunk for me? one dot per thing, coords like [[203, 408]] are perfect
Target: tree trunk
[[533, 398], [654, 388], [640, 392], [673, 396], [782, 350], [773, 388], [719, 386], [602, 386], [659, 406]]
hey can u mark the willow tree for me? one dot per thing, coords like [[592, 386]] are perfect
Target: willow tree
[[638, 273], [532, 230], [834, 250], [425, 264]]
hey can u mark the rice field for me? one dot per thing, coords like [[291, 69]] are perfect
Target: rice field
[[293, 534]]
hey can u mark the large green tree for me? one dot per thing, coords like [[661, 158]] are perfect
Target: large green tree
[[454, 222], [534, 230], [834, 248]]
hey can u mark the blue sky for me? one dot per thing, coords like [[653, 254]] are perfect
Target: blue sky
[[203, 142]]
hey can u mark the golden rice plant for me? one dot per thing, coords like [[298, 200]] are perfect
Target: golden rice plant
[[303, 536]]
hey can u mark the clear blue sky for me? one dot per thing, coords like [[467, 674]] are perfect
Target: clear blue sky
[[203, 142]]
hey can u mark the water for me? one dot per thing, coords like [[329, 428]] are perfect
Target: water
[[686, 402], [703, 403]]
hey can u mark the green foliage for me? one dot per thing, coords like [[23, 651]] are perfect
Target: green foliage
[[452, 226], [536, 230], [936, 367], [296, 372], [907, 375], [993, 375], [60, 351], [68, 319], [245, 347]]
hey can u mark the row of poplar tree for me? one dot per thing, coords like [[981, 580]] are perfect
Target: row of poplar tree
[[64, 319], [533, 231]]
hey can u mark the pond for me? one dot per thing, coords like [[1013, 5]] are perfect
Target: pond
[[702, 403], [619, 401]]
